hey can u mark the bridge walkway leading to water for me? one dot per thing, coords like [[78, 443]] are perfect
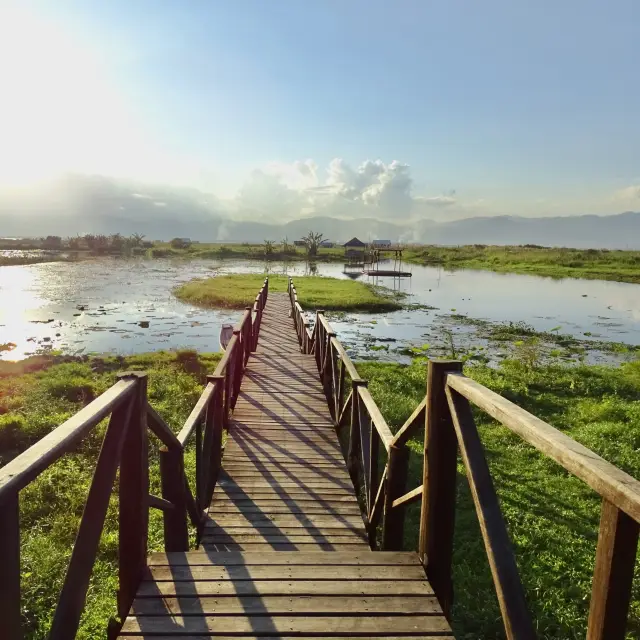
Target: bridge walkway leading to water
[[284, 551]]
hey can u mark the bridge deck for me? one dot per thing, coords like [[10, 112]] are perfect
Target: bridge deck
[[284, 489]]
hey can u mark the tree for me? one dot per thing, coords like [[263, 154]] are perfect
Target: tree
[[312, 241], [180, 243], [117, 242], [90, 241], [52, 242], [101, 243], [136, 239], [268, 247], [285, 245], [73, 242]]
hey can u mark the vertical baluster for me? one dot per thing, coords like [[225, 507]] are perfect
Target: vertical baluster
[[437, 516], [227, 395], [199, 469], [319, 340], [134, 492], [396, 483], [215, 423], [340, 392], [372, 472], [353, 453], [176, 533], [236, 356], [10, 568], [613, 575]]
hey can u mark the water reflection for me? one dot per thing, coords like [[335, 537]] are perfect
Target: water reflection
[[99, 305]]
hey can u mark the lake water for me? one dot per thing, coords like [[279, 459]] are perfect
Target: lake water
[[98, 306]]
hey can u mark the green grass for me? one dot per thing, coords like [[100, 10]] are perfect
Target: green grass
[[552, 517], [237, 291], [35, 398], [594, 264], [247, 250]]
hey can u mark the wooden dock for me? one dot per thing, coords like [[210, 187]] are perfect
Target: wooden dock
[[284, 552]]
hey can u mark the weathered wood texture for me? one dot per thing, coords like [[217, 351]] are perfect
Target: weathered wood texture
[[284, 551]]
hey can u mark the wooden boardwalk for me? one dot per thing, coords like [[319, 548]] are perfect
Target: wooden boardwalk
[[284, 552]]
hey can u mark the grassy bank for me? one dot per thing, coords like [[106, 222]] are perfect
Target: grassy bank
[[26, 259], [245, 250], [237, 291], [35, 397], [552, 517], [593, 264]]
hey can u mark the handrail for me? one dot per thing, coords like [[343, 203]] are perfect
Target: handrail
[[350, 402], [125, 448], [26, 467], [611, 483], [449, 427], [376, 416], [197, 415], [348, 364]]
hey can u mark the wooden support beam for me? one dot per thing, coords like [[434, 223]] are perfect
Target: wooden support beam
[[134, 490], [502, 562], [408, 498], [10, 568], [176, 534], [393, 528], [437, 516], [613, 575]]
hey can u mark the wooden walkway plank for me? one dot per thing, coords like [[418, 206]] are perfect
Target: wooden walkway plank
[[284, 551]]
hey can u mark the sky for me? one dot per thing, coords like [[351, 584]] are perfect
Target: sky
[[409, 109]]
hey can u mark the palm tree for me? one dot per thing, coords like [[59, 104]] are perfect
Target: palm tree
[[312, 241], [116, 241], [136, 239]]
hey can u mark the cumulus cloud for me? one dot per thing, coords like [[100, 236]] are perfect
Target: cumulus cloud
[[374, 188]]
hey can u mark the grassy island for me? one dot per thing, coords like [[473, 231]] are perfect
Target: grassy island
[[552, 262], [236, 291]]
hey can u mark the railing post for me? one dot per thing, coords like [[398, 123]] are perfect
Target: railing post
[[326, 372], [247, 339], [237, 368], [134, 492], [213, 443], [353, 451], [176, 533], [437, 516], [10, 619], [613, 575], [396, 483], [319, 344]]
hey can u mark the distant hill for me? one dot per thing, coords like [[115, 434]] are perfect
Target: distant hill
[[620, 231], [178, 217]]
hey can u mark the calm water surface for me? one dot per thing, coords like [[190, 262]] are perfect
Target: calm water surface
[[99, 306]]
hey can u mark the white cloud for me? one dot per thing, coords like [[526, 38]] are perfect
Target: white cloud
[[628, 193], [437, 201], [375, 189]]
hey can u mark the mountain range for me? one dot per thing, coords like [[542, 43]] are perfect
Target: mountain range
[[79, 204], [621, 231]]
